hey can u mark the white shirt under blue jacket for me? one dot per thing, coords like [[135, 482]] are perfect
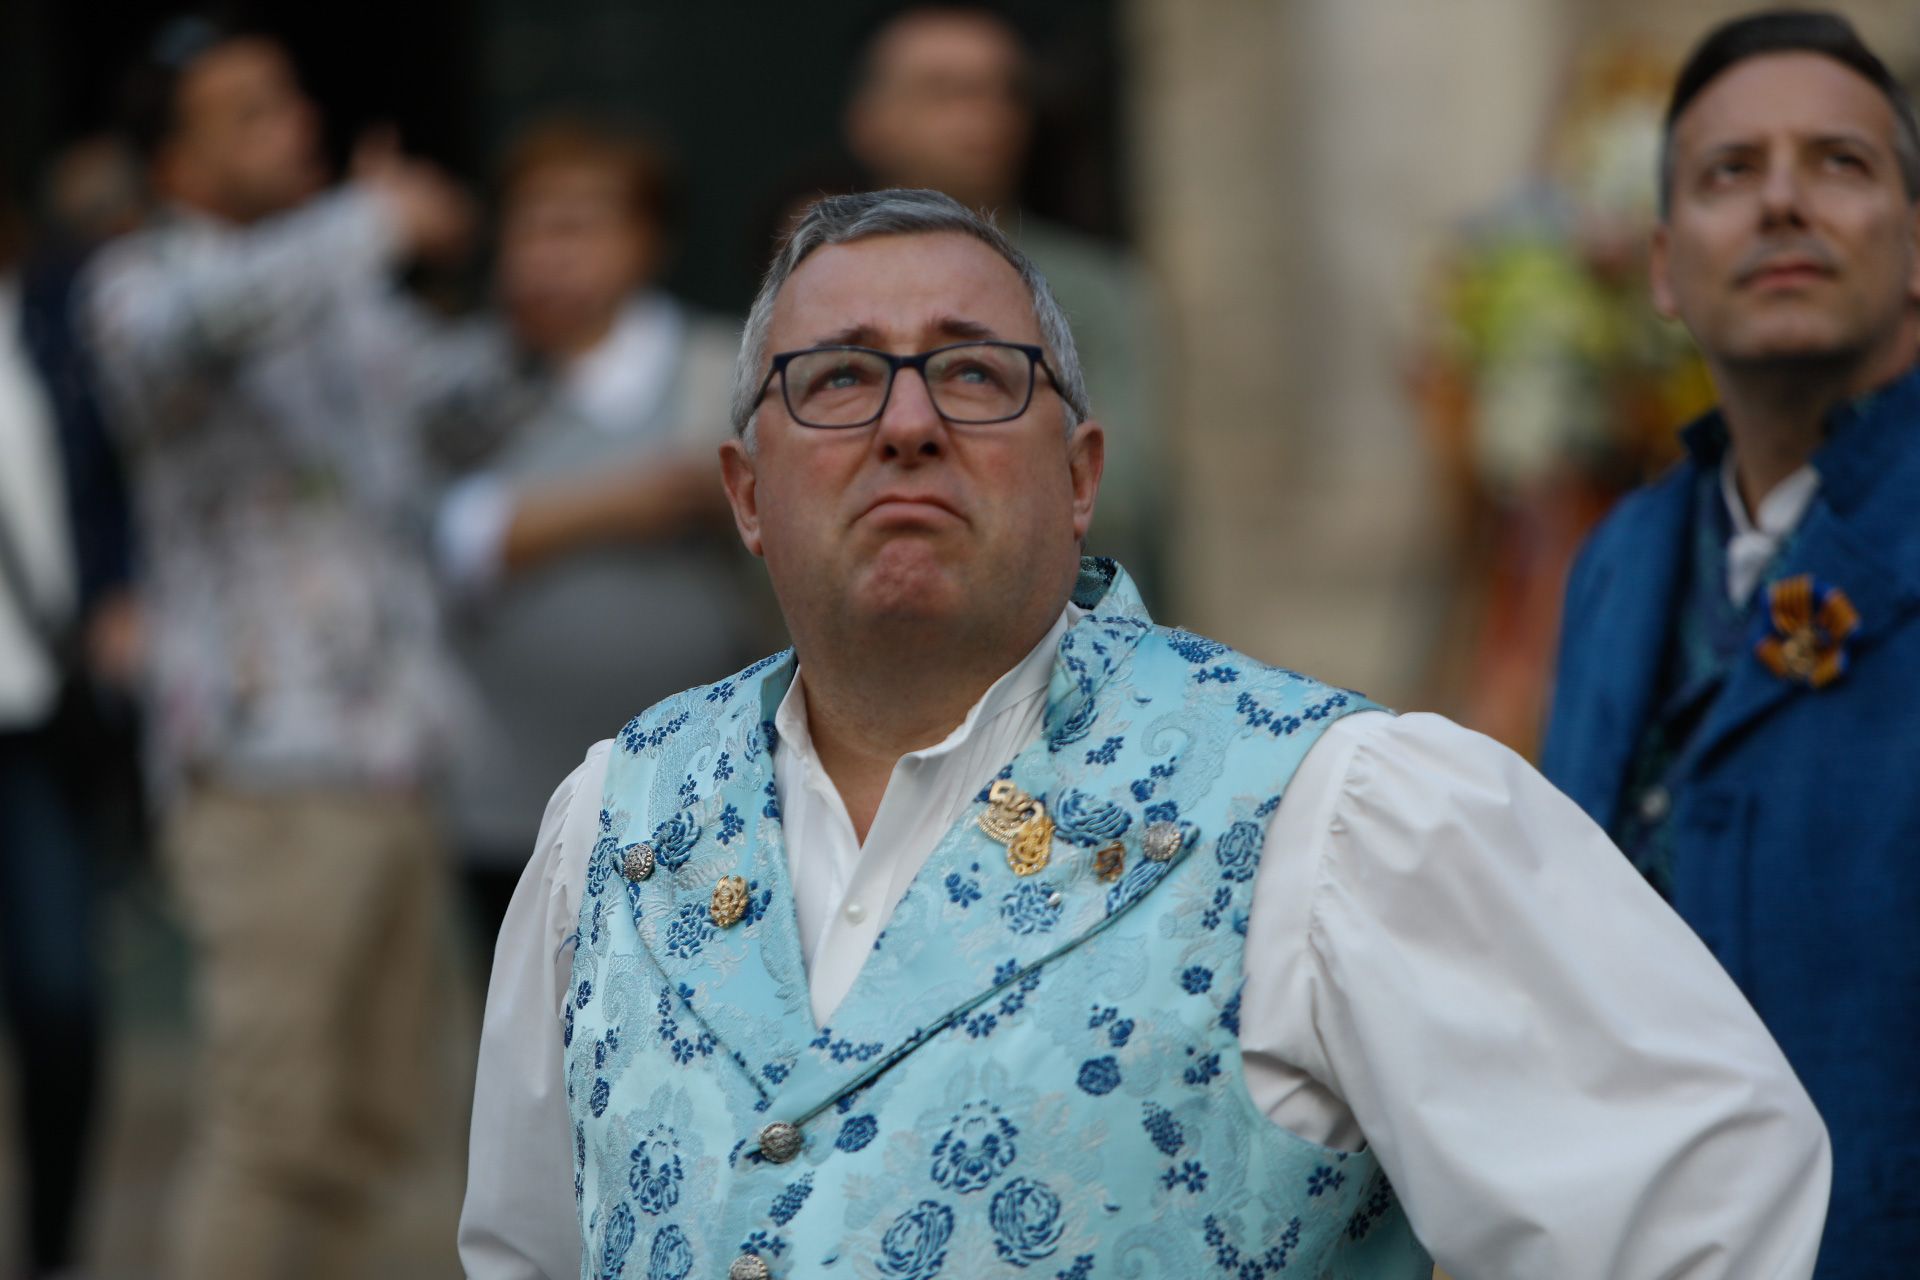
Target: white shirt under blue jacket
[[1391, 995]]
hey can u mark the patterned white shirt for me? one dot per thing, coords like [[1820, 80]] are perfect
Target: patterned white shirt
[[268, 381]]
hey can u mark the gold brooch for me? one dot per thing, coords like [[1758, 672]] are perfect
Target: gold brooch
[[1806, 630], [1015, 819], [729, 901]]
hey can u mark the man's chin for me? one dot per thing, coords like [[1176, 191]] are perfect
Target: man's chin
[[908, 590], [1792, 342], [929, 604]]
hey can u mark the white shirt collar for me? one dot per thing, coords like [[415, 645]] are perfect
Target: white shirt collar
[[844, 890], [1757, 537], [1027, 679]]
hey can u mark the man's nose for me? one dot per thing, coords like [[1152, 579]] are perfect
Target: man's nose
[[1783, 194], [909, 427]]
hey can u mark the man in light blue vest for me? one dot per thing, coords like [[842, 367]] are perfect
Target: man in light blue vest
[[995, 931]]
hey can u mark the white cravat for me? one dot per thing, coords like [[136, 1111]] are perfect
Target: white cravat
[[1755, 539], [1445, 960]]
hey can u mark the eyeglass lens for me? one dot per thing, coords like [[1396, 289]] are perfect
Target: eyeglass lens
[[981, 382]]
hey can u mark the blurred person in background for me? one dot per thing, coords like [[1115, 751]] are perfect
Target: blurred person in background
[[589, 547], [265, 373], [48, 974], [1739, 681], [944, 100], [94, 192]]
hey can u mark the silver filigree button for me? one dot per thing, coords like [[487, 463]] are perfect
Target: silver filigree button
[[749, 1266], [637, 865], [779, 1142], [1162, 841]]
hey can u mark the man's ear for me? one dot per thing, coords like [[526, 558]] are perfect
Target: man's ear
[[1913, 273], [1658, 266], [1086, 459], [737, 474]]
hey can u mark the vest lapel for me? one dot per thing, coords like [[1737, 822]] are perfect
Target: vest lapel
[[1627, 625], [740, 988]]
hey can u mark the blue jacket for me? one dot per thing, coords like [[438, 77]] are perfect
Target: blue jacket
[[1796, 810]]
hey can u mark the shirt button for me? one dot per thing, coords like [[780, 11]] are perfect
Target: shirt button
[[748, 1266], [1655, 804], [855, 913], [779, 1142]]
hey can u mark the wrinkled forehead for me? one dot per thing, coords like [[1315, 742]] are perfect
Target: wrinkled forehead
[[902, 293], [1794, 94]]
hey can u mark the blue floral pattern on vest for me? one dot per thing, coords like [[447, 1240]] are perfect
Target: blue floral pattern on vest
[[1031, 1076]]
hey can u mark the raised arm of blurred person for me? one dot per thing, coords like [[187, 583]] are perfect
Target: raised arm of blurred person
[[255, 253]]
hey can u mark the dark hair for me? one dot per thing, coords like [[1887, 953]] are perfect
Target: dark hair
[[635, 159], [1790, 31], [149, 99]]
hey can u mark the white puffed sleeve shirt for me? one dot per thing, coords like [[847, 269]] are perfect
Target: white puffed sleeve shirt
[[1446, 961]]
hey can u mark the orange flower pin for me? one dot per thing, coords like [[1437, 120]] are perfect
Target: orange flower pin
[[1808, 625]]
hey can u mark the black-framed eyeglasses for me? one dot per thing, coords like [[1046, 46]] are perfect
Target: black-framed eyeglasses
[[968, 382]]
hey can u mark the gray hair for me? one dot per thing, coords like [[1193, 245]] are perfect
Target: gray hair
[[840, 219]]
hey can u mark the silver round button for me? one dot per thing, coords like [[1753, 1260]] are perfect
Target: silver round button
[[749, 1266], [855, 912], [1161, 842], [637, 864], [1655, 804], [780, 1142]]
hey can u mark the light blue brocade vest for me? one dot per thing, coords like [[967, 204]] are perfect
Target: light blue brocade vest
[[1033, 1076]]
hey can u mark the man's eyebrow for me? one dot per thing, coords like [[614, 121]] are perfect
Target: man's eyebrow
[[865, 335], [1728, 147], [854, 335], [956, 327], [1848, 138], [1830, 138]]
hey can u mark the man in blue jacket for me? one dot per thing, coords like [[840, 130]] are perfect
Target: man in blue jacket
[[1741, 655]]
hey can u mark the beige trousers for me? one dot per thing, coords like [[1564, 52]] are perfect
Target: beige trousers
[[314, 917]]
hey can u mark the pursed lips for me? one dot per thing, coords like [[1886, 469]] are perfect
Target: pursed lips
[[909, 506], [1785, 270]]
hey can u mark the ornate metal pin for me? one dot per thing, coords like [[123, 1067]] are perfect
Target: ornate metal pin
[[729, 901]]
